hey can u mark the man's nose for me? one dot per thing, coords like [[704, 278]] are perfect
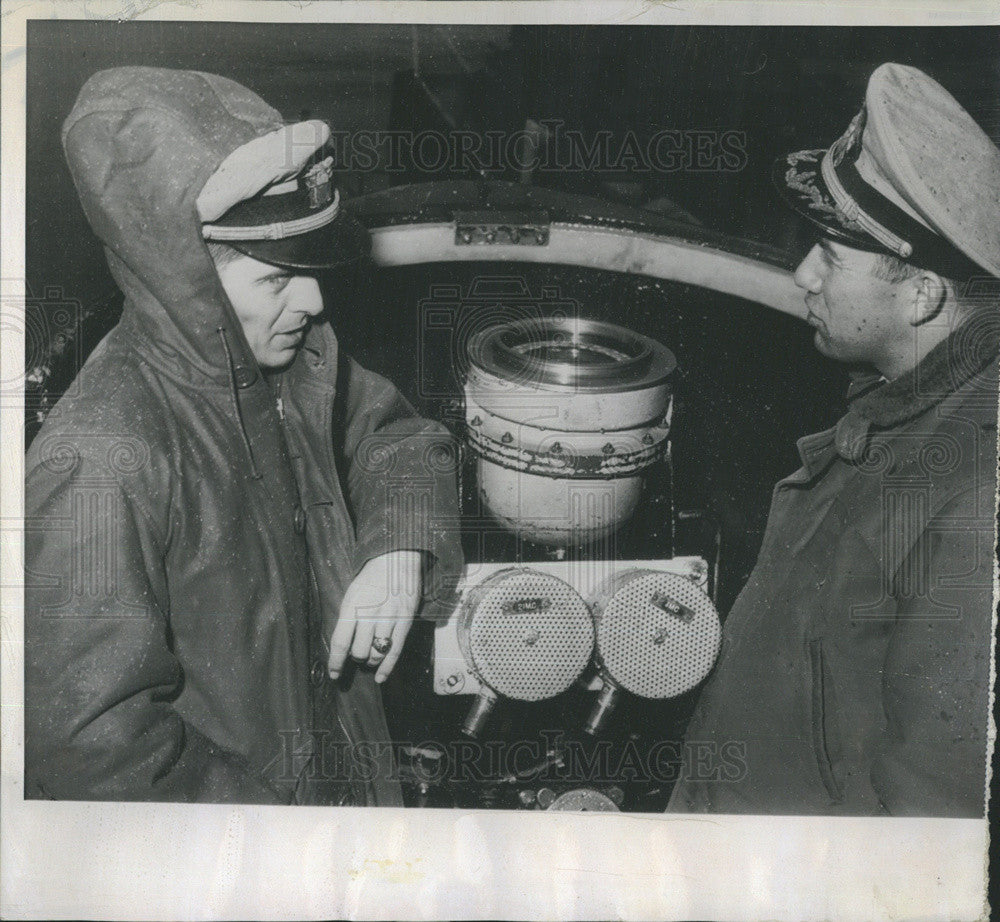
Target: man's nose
[[307, 297], [807, 275]]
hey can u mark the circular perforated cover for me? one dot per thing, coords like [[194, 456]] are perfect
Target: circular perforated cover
[[658, 634], [584, 799], [529, 635]]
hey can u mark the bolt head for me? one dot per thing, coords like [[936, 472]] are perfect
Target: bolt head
[[545, 798]]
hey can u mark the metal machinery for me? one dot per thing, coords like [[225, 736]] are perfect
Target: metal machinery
[[570, 606], [564, 419], [564, 416]]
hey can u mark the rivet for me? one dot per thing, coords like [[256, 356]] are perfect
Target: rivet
[[608, 449], [647, 439], [506, 438], [556, 448], [476, 421]]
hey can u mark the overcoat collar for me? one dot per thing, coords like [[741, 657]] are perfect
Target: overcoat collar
[[876, 404]]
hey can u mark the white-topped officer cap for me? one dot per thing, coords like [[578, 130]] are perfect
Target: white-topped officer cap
[[913, 175]]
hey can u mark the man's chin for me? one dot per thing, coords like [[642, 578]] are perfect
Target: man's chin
[[277, 359], [823, 345]]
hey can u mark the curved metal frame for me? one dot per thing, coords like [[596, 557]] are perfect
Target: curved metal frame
[[612, 248], [417, 224]]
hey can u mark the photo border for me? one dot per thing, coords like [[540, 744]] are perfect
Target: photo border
[[150, 861]]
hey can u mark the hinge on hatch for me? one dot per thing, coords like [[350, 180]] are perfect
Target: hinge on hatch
[[509, 228]]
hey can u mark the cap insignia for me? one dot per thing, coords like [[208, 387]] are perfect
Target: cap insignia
[[319, 184], [850, 141], [803, 181]]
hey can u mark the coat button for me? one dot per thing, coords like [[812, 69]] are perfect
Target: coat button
[[317, 673], [244, 375], [299, 520]]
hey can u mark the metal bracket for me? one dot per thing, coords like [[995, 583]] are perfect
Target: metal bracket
[[503, 228]]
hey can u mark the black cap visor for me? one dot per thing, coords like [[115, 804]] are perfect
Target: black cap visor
[[799, 181], [343, 242]]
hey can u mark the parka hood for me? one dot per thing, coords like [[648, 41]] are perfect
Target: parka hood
[[141, 142]]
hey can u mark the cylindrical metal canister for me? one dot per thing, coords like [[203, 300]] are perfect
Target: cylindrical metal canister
[[657, 634], [564, 416], [528, 635]]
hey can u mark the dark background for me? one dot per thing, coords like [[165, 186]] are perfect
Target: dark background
[[784, 87], [751, 382]]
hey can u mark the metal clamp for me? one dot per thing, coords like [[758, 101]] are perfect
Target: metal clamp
[[490, 228]]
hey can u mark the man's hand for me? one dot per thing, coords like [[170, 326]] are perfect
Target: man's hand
[[378, 606]]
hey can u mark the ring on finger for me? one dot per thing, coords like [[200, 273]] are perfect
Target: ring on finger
[[382, 645]]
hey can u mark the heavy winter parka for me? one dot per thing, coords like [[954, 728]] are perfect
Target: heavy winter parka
[[188, 539]]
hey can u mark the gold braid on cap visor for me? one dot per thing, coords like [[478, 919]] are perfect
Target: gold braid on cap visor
[[850, 207], [278, 230]]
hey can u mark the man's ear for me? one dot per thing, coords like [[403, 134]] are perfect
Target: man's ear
[[930, 294]]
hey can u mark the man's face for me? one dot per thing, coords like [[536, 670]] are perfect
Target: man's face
[[858, 317], [273, 305]]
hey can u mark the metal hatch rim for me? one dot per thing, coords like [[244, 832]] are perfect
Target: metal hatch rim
[[577, 244]]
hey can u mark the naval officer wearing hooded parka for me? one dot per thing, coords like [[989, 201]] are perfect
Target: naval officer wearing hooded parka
[[209, 509], [854, 672]]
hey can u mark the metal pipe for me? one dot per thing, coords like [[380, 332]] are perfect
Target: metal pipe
[[607, 698], [479, 713]]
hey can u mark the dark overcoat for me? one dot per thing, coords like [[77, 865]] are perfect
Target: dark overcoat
[[855, 668]]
